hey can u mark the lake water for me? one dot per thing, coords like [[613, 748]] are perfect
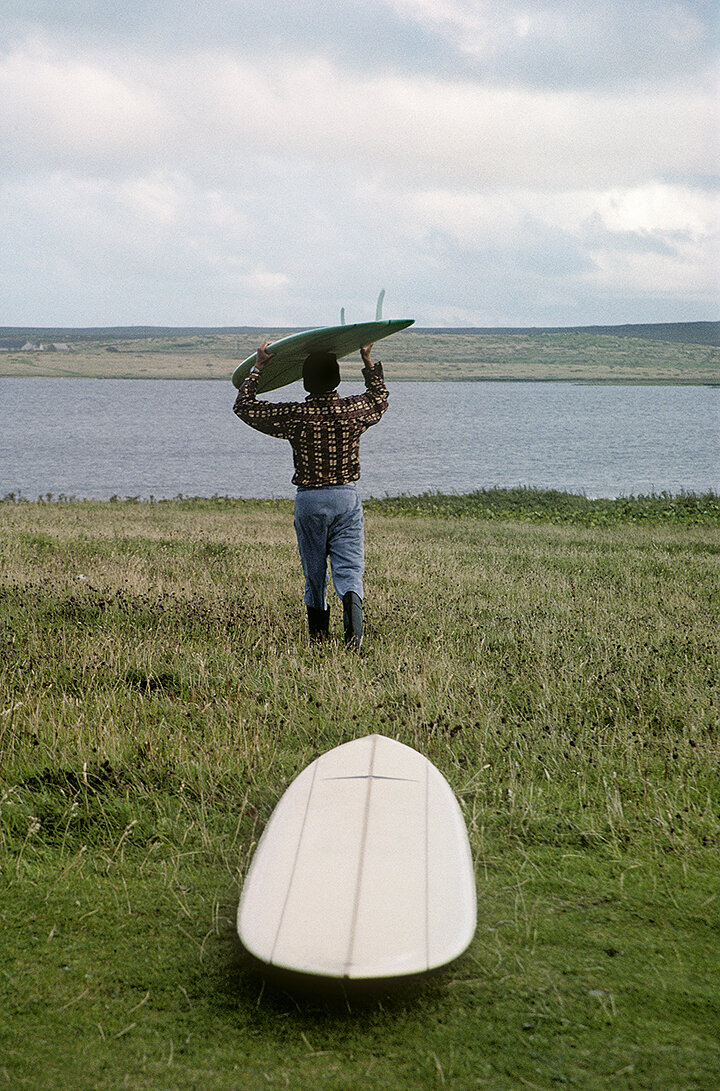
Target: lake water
[[97, 438]]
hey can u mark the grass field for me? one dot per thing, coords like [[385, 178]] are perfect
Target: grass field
[[557, 658], [416, 354]]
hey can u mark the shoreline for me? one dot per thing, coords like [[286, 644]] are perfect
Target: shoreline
[[573, 381], [523, 505], [610, 357]]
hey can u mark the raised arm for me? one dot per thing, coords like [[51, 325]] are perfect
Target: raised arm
[[375, 390], [272, 418]]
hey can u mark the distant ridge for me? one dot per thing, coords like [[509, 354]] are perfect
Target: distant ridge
[[693, 333], [126, 333], [690, 333]]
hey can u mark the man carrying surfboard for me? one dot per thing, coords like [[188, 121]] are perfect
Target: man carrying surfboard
[[324, 432]]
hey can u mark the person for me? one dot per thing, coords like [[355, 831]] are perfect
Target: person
[[324, 432]]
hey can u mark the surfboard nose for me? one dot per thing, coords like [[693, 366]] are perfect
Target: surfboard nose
[[364, 870]]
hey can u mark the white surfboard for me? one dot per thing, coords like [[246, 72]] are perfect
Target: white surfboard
[[364, 869]]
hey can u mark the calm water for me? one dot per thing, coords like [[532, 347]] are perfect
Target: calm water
[[102, 437]]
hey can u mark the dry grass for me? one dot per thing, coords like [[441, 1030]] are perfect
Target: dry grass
[[413, 354]]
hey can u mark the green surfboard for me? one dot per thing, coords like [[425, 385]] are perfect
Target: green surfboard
[[288, 354]]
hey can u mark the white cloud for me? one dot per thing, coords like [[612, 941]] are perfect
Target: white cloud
[[215, 116], [661, 208], [417, 129], [474, 26], [561, 41], [56, 108], [652, 210], [479, 173], [155, 200], [658, 240], [266, 281]]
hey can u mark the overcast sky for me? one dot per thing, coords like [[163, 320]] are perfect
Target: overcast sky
[[258, 162]]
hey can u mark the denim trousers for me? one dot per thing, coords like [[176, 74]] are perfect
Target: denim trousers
[[329, 524]]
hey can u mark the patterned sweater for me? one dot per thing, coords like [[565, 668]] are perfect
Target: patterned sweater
[[324, 430]]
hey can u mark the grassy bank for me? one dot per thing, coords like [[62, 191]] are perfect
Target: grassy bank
[[414, 354], [157, 694]]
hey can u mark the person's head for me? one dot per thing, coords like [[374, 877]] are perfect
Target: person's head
[[320, 372]]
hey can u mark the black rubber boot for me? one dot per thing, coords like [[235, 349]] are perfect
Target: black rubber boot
[[318, 623], [353, 619]]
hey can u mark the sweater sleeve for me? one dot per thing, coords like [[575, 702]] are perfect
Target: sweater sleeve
[[272, 418], [376, 393]]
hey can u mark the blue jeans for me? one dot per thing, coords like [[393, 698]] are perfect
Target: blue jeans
[[329, 523]]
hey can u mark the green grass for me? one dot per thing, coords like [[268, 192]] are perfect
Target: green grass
[[557, 658], [548, 505]]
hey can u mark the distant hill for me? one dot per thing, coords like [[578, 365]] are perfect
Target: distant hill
[[44, 334], [690, 333], [687, 333]]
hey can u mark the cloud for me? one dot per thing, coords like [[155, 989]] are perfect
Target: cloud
[[216, 115], [265, 281], [236, 163], [60, 110], [363, 36], [555, 42], [547, 42], [572, 249]]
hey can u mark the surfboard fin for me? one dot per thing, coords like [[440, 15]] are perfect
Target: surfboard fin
[[378, 308]]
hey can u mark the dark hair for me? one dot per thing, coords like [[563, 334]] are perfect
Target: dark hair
[[320, 372]]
